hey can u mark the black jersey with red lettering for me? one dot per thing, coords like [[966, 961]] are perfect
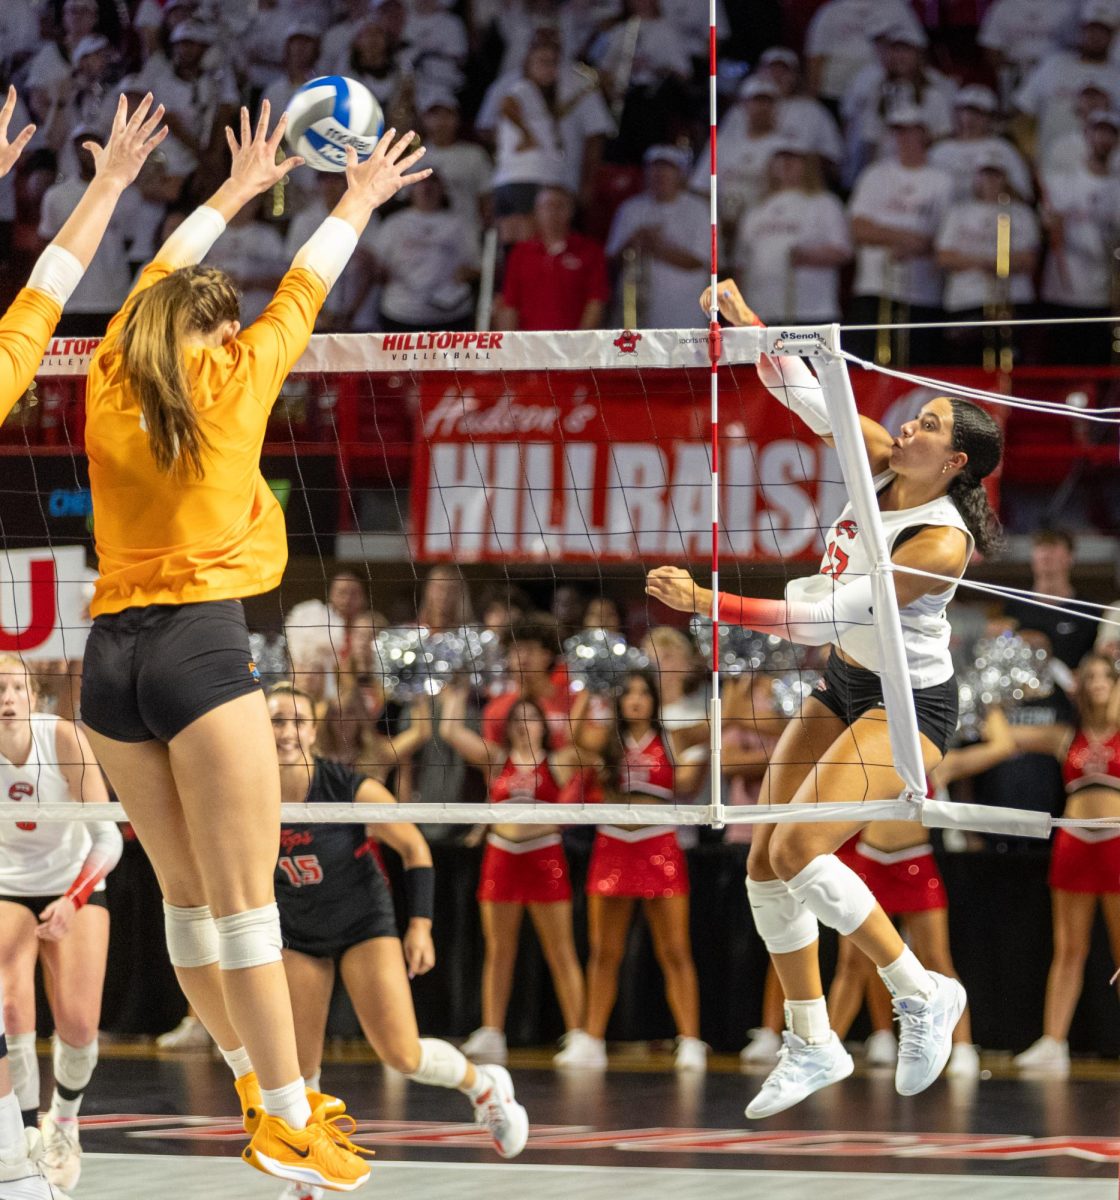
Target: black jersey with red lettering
[[330, 889]]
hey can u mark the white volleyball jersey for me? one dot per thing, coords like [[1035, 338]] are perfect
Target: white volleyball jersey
[[39, 859], [848, 557]]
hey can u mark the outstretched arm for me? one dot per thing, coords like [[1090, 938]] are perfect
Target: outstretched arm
[[793, 384]]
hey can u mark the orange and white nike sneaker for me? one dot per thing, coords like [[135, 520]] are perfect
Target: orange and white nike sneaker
[[320, 1155], [252, 1107]]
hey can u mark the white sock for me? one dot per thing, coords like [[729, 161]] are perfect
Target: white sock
[[13, 1148], [238, 1062], [62, 1109], [311, 1082], [906, 977], [289, 1103], [809, 1020]]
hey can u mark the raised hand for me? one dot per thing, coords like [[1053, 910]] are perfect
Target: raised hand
[[676, 589], [382, 175], [255, 168], [11, 150], [731, 303], [131, 141]]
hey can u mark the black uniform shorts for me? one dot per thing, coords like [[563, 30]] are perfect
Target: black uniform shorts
[[851, 692], [329, 930], [36, 904], [150, 672]]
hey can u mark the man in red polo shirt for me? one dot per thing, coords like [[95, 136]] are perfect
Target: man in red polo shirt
[[557, 280]]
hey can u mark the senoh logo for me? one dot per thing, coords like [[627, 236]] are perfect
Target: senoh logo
[[19, 792], [627, 342], [792, 335]]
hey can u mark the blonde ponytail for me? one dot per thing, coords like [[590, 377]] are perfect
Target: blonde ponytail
[[191, 300]]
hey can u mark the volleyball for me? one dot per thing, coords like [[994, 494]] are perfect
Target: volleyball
[[328, 114]]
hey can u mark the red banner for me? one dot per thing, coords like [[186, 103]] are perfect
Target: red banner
[[615, 465]]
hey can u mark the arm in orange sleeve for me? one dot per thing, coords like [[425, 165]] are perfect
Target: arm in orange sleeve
[[278, 337], [25, 330]]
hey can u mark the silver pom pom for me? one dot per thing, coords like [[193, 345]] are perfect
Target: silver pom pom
[[743, 649], [790, 689], [1007, 670], [598, 660], [411, 661]]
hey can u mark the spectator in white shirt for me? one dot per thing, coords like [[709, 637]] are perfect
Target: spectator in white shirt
[[551, 128], [51, 66], [1048, 97], [748, 136], [978, 286], [1071, 151], [802, 117], [838, 44], [338, 36], [370, 60], [670, 231], [902, 78], [351, 305], [427, 261], [896, 209], [1081, 214], [645, 64], [432, 30], [975, 140], [105, 285], [252, 254], [464, 167], [1017, 34], [790, 248], [301, 55]]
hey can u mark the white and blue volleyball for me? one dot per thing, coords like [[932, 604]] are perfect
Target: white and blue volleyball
[[328, 114]]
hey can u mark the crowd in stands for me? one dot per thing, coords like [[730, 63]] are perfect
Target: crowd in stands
[[881, 169]]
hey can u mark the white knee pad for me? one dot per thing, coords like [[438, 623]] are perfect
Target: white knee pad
[[24, 1064], [833, 893], [782, 921], [441, 1065], [73, 1065], [192, 937], [249, 939]]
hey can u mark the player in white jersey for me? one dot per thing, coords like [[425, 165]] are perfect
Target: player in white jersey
[[52, 910], [934, 510]]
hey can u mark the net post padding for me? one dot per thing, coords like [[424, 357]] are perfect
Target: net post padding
[[902, 724]]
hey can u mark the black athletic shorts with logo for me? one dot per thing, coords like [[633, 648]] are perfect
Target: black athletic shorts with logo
[[36, 904], [150, 672], [851, 692]]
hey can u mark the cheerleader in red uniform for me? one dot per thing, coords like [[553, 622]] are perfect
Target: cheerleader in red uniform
[[524, 866], [630, 863], [895, 860], [1084, 863]]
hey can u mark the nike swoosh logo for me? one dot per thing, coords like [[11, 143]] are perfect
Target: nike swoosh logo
[[295, 1149]]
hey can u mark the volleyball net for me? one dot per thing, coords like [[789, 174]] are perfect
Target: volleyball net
[[515, 465]]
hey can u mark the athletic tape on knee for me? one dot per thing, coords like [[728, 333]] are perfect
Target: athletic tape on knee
[[249, 939], [24, 1063], [833, 893], [192, 937], [73, 1065], [782, 921], [441, 1065]]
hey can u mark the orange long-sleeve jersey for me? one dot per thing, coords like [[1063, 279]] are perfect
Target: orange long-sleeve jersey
[[168, 539], [25, 330]]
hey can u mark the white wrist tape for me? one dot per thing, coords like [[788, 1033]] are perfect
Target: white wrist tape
[[782, 921], [328, 250], [834, 893], [791, 383], [56, 273], [249, 939], [191, 242], [192, 936]]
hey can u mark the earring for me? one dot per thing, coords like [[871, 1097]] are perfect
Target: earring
[[945, 469]]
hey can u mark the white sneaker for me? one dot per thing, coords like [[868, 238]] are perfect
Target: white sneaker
[[691, 1055], [22, 1178], [581, 1050], [761, 1049], [486, 1045], [802, 1070], [964, 1062], [62, 1155], [925, 1032], [189, 1034], [1047, 1054], [881, 1049], [499, 1111], [302, 1191]]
